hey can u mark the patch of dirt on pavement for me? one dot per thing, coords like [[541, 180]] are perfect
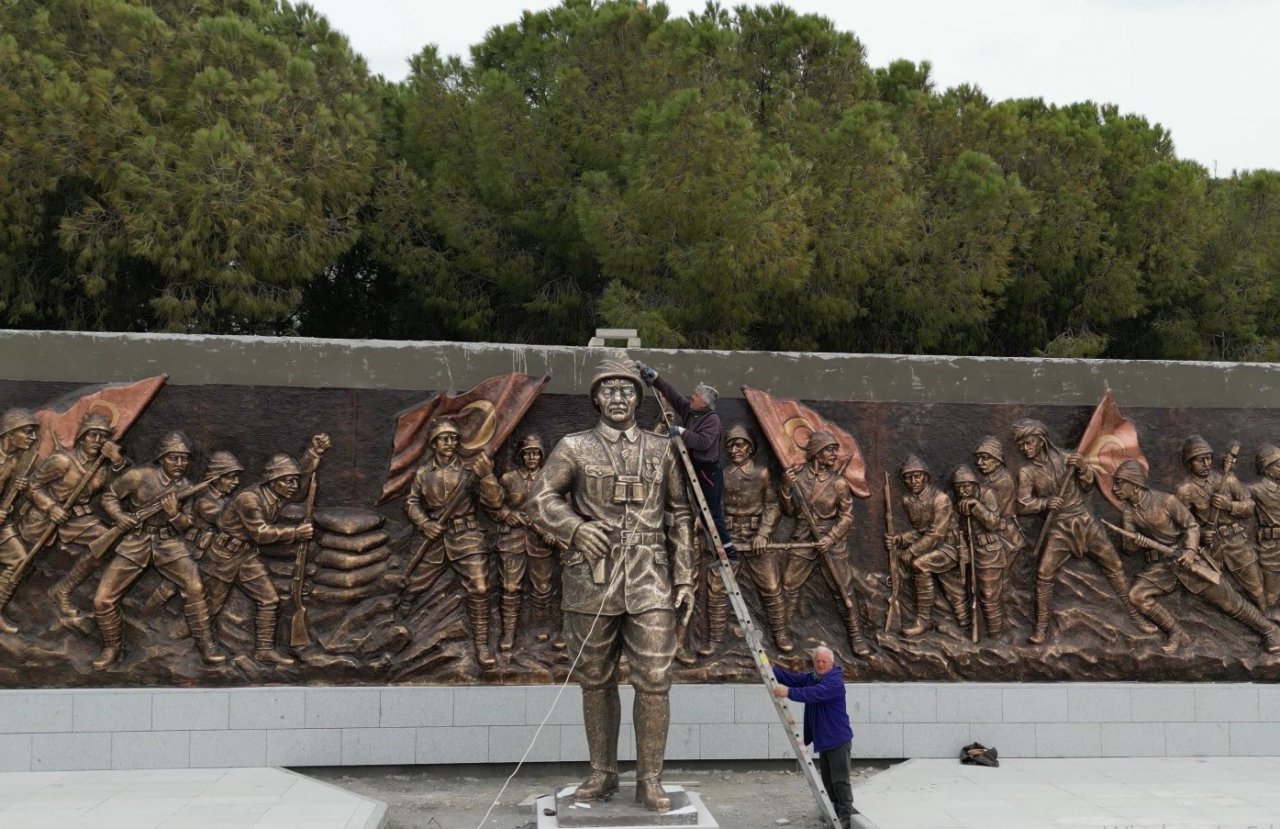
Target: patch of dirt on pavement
[[739, 794]]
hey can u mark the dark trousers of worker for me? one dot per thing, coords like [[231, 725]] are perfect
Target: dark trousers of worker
[[711, 479], [834, 765]]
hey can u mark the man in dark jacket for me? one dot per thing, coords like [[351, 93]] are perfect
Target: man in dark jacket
[[826, 724], [699, 428]]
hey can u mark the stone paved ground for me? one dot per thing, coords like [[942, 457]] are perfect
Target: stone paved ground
[[739, 795]]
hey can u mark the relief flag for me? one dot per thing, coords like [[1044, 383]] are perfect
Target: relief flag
[[486, 416], [1109, 440], [787, 426], [122, 403]]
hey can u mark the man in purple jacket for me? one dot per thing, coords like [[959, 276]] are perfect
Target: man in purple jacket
[[700, 431], [826, 724]]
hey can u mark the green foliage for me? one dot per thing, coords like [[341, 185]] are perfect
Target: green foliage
[[730, 179]]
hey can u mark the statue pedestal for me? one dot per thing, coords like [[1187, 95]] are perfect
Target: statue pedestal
[[561, 811]]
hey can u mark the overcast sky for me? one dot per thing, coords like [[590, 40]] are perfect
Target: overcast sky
[[1205, 69]]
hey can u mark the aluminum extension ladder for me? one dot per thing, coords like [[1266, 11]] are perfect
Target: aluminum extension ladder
[[749, 630]]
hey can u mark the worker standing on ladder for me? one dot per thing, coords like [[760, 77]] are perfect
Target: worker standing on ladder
[[826, 724], [700, 431]]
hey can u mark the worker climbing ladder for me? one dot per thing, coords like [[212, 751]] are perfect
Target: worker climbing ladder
[[749, 630]]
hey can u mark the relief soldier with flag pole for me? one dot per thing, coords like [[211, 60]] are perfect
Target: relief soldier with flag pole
[[1160, 524], [1055, 483], [82, 470], [442, 505]]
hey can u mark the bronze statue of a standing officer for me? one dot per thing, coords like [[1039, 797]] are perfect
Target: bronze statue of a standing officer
[[606, 495], [19, 431]]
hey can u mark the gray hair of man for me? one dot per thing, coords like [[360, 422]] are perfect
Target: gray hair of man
[[823, 649], [708, 393]]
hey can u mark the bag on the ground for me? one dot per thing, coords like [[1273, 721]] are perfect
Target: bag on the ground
[[976, 754]]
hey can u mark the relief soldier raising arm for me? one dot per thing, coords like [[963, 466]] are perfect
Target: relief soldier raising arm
[[249, 521], [1055, 483]]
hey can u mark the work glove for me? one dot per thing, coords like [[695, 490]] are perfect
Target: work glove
[[647, 374], [675, 431]]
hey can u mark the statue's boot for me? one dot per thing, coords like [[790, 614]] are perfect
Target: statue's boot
[[197, 613], [959, 604], [111, 628], [790, 601], [1044, 602], [510, 619], [652, 714], [775, 613], [924, 605], [717, 621], [7, 626], [989, 582], [264, 651], [853, 623], [478, 610], [61, 592], [1250, 581], [1249, 616], [541, 616], [1121, 587], [1177, 638], [601, 715]]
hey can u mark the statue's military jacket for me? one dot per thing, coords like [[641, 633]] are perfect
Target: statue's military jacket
[[1042, 479], [1197, 494], [433, 483], [1266, 502], [203, 509], [933, 522], [1164, 518], [830, 498], [517, 485], [140, 487], [1002, 485], [627, 482], [52, 483], [251, 517], [750, 501]]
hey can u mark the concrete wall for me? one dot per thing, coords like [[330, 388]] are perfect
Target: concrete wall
[[278, 726], [310, 363], [142, 727]]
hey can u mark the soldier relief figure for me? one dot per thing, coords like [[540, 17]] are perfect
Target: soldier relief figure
[[442, 505], [932, 548], [751, 514], [250, 520], [524, 548], [19, 431], [1160, 524]]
